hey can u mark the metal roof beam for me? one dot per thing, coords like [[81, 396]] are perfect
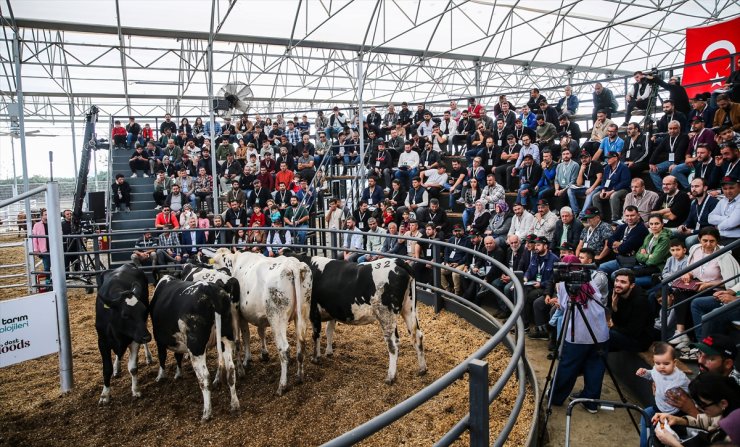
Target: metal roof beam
[[184, 34]]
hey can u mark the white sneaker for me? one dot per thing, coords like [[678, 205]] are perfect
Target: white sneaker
[[146, 175], [387, 190], [683, 340], [133, 175], [158, 207]]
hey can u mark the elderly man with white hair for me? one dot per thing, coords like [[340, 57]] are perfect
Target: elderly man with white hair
[[567, 229]]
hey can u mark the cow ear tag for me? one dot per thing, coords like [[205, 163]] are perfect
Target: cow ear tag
[[211, 261]]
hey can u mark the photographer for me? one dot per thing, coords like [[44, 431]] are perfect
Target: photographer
[[580, 352]]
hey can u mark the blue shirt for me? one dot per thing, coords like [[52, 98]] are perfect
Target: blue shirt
[[541, 266], [454, 255], [611, 146], [620, 180]]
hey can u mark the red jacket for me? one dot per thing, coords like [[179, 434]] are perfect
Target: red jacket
[[119, 132]]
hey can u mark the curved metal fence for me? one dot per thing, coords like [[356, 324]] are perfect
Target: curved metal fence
[[481, 396]]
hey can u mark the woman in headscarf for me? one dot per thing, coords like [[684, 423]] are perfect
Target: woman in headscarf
[[499, 225], [481, 217]]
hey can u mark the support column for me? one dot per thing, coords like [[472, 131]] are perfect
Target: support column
[[361, 117], [212, 136], [59, 285], [24, 163], [74, 137], [477, 79]]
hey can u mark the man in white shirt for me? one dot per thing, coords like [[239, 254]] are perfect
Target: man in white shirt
[[433, 180], [521, 222], [408, 165], [352, 241], [726, 215], [374, 241], [543, 223]]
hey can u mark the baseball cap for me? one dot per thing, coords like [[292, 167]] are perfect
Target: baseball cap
[[612, 154], [530, 238], [541, 240], [729, 180], [717, 344], [528, 156], [474, 232], [698, 119], [567, 246], [585, 154], [457, 227], [591, 212], [543, 202]]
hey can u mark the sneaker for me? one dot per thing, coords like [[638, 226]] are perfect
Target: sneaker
[[588, 406], [682, 340], [133, 175], [146, 175], [128, 210], [387, 190], [689, 355], [158, 207]]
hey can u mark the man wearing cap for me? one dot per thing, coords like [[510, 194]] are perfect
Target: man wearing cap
[[670, 153], [701, 108], [595, 235], [260, 196], [456, 259], [538, 283], [717, 353], [529, 176], [566, 249], [673, 204], [726, 215], [544, 221], [617, 180], [568, 103], [567, 229]]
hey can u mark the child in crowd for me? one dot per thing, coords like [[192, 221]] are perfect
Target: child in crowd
[[240, 241], [204, 222], [667, 379], [676, 262]]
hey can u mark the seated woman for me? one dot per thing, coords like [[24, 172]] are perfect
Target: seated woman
[[481, 218], [255, 238], [707, 278], [717, 396], [653, 253], [470, 195], [499, 225]]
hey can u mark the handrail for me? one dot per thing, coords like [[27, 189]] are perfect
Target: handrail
[[663, 285], [109, 189]]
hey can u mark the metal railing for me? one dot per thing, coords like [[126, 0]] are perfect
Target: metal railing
[[481, 396], [665, 283]]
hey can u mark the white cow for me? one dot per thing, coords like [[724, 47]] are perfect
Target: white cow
[[273, 291]]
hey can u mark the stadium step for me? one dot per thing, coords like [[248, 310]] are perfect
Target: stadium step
[[150, 213]]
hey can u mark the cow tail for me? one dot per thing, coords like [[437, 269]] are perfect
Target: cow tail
[[300, 318]]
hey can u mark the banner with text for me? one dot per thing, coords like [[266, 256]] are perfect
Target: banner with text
[[28, 328], [707, 42]]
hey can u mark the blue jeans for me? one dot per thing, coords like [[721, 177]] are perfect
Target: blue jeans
[[351, 159], [610, 267], [405, 176], [471, 154], [46, 262], [701, 306], [681, 172], [331, 132], [301, 234], [526, 200], [657, 177], [644, 426], [467, 216], [130, 139], [574, 359], [454, 194], [541, 195], [574, 192]]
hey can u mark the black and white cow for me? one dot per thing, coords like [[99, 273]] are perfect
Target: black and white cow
[[121, 312], [359, 294], [274, 291], [183, 315]]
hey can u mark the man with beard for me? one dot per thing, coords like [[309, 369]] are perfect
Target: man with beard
[[670, 153], [673, 205], [698, 135], [638, 96], [635, 152], [512, 258], [671, 114], [603, 100], [538, 283], [630, 325], [641, 198], [701, 206], [728, 113]]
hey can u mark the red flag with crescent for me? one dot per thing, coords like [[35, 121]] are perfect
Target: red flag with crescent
[[707, 42]]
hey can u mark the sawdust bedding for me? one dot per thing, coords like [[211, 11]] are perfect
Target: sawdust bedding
[[338, 394]]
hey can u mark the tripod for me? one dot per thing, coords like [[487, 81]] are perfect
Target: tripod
[[552, 373]]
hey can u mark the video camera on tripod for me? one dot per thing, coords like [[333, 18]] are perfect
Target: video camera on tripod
[[573, 275]]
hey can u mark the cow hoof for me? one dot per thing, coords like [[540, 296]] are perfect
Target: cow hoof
[[265, 357], [116, 374], [205, 418], [104, 400], [280, 391], [329, 353], [422, 372], [136, 394], [299, 380], [315, 360], [390, 380], [235, 409]]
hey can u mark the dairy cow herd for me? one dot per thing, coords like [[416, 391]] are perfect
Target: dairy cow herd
[[209, 305]]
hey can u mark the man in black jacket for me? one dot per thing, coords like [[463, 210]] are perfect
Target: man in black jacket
[[121, 194], [567, 229], [511, 258], [630, 326], [603, 99], [676, 92], [670, 153]]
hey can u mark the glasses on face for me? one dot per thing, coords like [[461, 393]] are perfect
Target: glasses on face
[[704, 405]]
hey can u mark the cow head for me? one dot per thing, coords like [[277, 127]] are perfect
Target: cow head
[[223, 258], [129, 315], [220, 297]]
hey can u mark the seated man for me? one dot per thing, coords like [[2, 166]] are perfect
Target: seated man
[[588, 184], [352, 241], [433, 180], [305, 165], [635, 153], [121, 194], [537, 285], [168, 250], [529, 176], [725, 216], [203, 188], [139, 161], [408, 165], [457, 260], [616, 185], [229, 171], [373, 195], [145, 251], [630, 325], [374, 243], [512, 257], [166, 217], [672, 204], [670, 153], [641, 198], [626, 241]]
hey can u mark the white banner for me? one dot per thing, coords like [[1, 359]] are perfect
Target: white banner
[[28, 328]]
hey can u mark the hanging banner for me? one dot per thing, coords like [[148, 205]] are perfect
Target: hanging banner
[[28, 328], [706, 42]]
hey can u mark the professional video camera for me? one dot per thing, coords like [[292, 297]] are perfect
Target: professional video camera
[[573, 275]]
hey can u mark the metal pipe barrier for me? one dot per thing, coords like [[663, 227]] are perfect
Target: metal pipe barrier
[[481, 396]]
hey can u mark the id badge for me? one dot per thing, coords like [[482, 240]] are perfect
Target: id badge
[[485, 269], [628, 153], [370, 201], [429, 252], [490, 162], [377, 163], [607, 183], [361, 225], [452, 254], [585, 245], [237, 222], [187, 171], [538, 278], [587, 183], [671, 157], [500, 143], [164, 191], [519, 141]]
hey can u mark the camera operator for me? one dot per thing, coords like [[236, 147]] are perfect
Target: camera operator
[[581, 354], [538, 283], [676, 92]]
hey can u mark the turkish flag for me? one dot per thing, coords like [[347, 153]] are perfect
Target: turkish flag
[[706, 42]]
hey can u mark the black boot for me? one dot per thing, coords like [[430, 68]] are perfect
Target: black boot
[[552, 338]]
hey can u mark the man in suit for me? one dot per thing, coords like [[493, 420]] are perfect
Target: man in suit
[[192, 240]]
